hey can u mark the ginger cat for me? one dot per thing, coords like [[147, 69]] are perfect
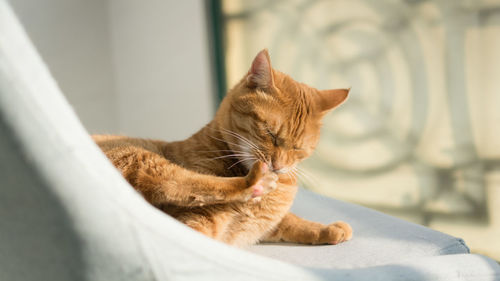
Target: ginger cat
[[234, 180]]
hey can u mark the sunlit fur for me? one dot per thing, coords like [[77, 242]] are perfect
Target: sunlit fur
[[284, 123], [235, 179]]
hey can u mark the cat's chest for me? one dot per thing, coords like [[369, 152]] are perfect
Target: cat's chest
[[252, 220], [276, 200]]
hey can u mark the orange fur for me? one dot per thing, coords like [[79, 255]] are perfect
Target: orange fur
[[234, 180]]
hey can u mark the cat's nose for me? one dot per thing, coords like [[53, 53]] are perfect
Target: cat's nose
[[278, 167]]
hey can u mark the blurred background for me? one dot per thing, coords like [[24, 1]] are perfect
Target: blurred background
[[418, 139]]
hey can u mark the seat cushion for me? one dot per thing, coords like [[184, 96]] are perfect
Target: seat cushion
[[378, 238]]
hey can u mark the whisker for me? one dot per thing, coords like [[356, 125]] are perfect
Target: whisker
[[226, 156], [228, 150], [260, 155], [240, 137], [242, 160], [227, 142], [308, 179], [252, 145], [296, 173], [236, 155], [308, 174], [303, 179], [222, 150], [232, 155], [289, 176]]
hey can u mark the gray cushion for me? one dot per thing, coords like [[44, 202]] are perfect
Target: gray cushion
[[378, 238]]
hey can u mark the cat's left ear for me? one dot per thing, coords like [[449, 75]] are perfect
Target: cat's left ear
[[327, 100], [260, 74]]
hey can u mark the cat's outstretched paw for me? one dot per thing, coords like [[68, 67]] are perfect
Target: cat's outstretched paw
[[260, 180], [336, 232]]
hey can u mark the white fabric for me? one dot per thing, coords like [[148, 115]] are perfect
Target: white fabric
[[67, 214]]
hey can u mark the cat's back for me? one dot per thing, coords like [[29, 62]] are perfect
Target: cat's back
[[109, 143]]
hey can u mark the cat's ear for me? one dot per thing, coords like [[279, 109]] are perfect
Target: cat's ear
[[329, 99], [260, 74]]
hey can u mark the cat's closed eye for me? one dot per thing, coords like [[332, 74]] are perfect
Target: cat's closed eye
[[273, 137]]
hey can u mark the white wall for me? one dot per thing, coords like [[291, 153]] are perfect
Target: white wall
[[161, 67], [138, 68], [72, 37]]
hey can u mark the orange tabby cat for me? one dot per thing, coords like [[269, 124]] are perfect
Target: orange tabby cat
[[234, 180]]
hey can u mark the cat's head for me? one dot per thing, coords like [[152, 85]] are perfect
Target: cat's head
[[271, 117]]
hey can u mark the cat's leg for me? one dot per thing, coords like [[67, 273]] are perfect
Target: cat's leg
[[297, 230], [163, 182]]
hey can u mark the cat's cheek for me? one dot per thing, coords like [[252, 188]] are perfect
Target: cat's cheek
[[302, 155]]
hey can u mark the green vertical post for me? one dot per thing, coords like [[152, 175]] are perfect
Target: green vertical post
[[217, 40]]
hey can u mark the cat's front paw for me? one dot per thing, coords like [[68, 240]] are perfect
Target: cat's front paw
[[335, 233], [260, 181]]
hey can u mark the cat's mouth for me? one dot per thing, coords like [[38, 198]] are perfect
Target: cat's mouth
[[283, 170]]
